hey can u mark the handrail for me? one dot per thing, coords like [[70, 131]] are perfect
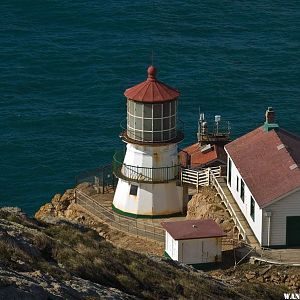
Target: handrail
[[199, 177], [119, 222], [143, 174], [224, 197]]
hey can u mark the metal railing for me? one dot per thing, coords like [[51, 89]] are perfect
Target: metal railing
[[199, 177], [224, 198], [143, 174], [102, 178], [128, 225]]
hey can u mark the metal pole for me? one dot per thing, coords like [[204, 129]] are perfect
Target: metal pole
[[102, 180]]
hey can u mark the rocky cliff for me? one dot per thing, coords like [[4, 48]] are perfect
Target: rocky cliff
[[62, 260]]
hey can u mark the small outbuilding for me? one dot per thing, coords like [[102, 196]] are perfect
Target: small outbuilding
[[193, 242]]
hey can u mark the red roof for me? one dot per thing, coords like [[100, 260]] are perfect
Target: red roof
[[268, 161], [200, 159], [151, 90], [193, 229]]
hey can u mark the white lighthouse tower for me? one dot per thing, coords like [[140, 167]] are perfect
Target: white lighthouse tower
[[149, 171]]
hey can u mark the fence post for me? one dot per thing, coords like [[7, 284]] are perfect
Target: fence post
[[208, 175], [136, 228], [102, 180], [75, 196]]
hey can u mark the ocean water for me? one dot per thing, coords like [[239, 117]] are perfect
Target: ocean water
[[64, 66]]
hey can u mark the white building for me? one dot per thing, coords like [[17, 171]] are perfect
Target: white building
[[263, 176], [193, 242], [149, 172]]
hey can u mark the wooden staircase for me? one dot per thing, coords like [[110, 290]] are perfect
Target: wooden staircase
[[235, 212]]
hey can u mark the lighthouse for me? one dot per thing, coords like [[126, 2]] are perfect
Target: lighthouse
[[148, 171]]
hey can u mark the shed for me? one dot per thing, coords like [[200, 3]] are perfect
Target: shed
[[193, 242]]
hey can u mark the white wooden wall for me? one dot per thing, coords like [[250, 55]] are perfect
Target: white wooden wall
[[255, 225], [198, 251], [194, 251], [288, 206], [171, 246]]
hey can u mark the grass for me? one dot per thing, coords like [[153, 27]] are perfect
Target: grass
[[83, 253]]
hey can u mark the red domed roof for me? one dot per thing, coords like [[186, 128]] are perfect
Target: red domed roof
[[151, 90]]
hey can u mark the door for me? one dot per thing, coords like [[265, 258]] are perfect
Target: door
[[293, 231]]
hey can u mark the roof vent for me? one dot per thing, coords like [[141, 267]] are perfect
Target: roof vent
[[206, 148], [294, 166], [194, 226], [281, 146]]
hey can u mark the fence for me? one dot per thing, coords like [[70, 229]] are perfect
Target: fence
[[122, 223], [199, 177], [143, 174], [102, 178]]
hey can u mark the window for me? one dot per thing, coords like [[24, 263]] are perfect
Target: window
[[242, 192], [166, 123], [166, 109], [147, 124], [151, 122], [147, 110], [133, 190], [229, 171], [252, 209], [173, 107], [138, 123], [138, 110], [156, 124], [237, 183], [157, 110]]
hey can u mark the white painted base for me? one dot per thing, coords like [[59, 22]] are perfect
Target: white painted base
[[151, 199]]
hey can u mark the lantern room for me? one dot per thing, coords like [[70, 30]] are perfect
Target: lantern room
[[152, 111]]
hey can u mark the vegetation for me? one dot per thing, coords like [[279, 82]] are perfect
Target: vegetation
[[65, 250]]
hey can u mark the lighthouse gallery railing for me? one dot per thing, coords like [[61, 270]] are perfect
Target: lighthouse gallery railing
[[143, 174]]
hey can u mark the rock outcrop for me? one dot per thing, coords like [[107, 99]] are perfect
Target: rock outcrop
[[207, 205], [70, 261], [26, 274]]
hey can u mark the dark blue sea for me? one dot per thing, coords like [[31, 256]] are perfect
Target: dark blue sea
[[64, 66]]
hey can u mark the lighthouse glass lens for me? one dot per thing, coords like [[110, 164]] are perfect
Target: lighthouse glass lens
[[157, 110], [130, 107], [166, 135], [139, 109], [157, 136], [147, 110], [166, 123], [148, 124], [138, 123], [156, 124], [148, 136], [131, 121], [173, 107], [166, 109], [172, 121]]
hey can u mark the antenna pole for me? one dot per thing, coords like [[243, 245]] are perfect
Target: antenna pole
[[152, 55]]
